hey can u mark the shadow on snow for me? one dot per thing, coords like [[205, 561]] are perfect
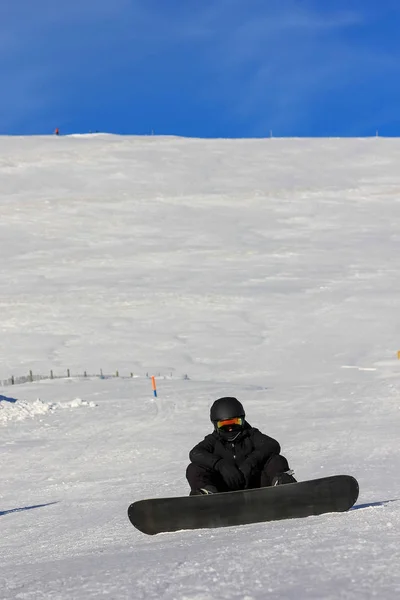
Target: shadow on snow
[[371, 504], [13, 510]]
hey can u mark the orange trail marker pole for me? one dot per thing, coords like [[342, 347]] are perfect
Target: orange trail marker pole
[[153, 385]]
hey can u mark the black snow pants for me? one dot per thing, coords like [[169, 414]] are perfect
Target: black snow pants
[[201, 477]]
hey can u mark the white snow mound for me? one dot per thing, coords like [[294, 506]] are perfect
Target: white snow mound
[[21, 410]]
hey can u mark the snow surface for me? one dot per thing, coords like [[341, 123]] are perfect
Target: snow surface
[[264, 269]]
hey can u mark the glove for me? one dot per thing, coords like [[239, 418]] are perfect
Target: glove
[[229, 472]]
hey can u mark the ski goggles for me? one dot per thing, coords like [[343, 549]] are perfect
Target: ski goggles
[[229, 424]]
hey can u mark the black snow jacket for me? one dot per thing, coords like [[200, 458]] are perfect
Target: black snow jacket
[[250, 450]]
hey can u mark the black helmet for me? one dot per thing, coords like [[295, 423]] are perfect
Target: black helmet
[[226, 408], [230, 410]]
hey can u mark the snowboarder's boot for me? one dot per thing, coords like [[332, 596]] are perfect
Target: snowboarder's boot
[[282, 478], [210, 489]]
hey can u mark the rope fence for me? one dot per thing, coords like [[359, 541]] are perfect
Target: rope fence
[[68, 375]]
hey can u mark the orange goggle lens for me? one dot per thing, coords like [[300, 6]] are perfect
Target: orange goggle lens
[[230, 422]]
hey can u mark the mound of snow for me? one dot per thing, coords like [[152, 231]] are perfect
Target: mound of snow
[[90, 134], [73, 404], [21, 410]]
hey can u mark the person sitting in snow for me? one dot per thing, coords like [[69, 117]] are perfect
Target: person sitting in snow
[[235, 456]]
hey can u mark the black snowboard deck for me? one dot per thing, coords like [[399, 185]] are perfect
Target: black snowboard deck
[[293, 500]]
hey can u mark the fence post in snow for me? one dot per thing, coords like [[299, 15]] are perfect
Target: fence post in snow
[[30, 376], [153, 385]]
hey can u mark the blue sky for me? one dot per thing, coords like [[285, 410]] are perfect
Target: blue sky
[[204, 68]]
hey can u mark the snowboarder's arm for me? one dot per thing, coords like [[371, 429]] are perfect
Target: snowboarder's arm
[[203, 453], [264, 448]]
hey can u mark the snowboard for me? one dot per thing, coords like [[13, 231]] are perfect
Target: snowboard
[[290, 501]]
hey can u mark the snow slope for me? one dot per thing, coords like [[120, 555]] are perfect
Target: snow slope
[[264, 269]]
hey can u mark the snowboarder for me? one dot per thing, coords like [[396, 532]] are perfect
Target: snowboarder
[[235, 456]]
